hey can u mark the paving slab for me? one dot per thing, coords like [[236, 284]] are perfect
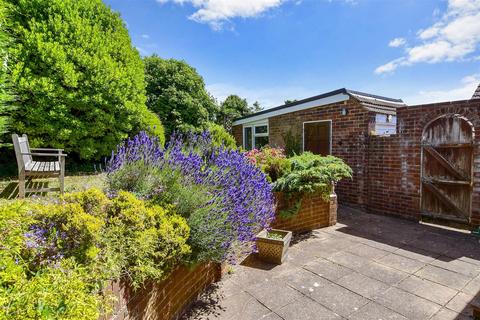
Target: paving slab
[[427, 289], [407, 304], [274, 294], [401, 263], [461, 303], [473, 287], [338, 299], [442, 276], [382, 273], [375, 311], [348, 260], [417, 254], [363, 285], [367, 251], [327, 269], [458, 266], [446, 314], [238, 307], [306, 309], [303, 281]]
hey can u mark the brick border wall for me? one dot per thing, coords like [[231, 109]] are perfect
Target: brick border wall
[[167, 299], [314, 213]]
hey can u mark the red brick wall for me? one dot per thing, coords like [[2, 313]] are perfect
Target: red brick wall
[[390, 186], [394, 163], [386, 170], [165, 300], [237, 133], [348, 139], [314, 213]]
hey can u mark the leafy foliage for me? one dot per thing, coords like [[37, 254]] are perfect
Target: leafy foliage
[[311, 173], [55, 258], [225, 199], [218, 134], [53, 291], [5, 96], [272, 161], [176, 92], [293, 143], [234, 107], [78, 79]]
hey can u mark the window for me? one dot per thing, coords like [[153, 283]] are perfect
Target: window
[[248, 138], [255, 136], [317, 137]]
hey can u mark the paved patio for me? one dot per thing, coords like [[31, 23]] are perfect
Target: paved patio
[[365, 267]]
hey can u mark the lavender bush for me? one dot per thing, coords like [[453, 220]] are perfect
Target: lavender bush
[[225, 199]]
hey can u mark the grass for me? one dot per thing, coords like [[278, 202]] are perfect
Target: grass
[[73, 183]]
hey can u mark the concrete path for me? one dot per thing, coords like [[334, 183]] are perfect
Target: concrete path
[[365, 267]]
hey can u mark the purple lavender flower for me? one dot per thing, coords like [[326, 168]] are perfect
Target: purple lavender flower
[[241, 200]]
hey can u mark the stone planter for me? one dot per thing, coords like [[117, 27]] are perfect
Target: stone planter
[[314, 213], [273, 249]]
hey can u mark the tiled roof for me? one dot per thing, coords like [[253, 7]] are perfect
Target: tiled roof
[[476, 94], [366, 99]]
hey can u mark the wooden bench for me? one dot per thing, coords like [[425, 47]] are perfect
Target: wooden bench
[[30, 169]]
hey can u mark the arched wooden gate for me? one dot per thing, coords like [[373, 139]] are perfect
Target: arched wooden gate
[[447, 168]]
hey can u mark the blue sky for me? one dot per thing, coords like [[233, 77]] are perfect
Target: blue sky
[[272, 50]]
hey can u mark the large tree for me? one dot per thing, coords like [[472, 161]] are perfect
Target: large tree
[[78, 79], [235, 107], [5, 97], [176, 92]]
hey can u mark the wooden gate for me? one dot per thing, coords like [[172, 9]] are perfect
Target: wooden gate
[[447, 168]]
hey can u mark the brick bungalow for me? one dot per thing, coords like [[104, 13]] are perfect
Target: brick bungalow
[[415, 161]]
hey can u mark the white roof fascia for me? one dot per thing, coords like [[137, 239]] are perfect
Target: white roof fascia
[[307, 105]]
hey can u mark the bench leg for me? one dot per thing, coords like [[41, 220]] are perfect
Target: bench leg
[[62, 176], [21, 185]]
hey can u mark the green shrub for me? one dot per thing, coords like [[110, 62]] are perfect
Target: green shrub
[[272, 161], [51, 293], [310, 173], [56, 257], [78, 79], [60, 291], [151, 240], [220, 136], [293, 143]]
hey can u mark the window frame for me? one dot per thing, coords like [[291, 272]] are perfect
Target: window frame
[[315, 121], [252, 125]]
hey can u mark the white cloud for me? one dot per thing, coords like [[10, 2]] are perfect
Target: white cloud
[[145, 36], [463, 91], [453, 38], [397, 42], [217, 12]]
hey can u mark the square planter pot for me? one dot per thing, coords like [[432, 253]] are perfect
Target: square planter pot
[[273, 249]]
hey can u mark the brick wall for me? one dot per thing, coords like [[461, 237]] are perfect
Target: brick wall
[[314, 213], [394, 163], [386, 170], [237, 132], [167, 299], [348, 139]]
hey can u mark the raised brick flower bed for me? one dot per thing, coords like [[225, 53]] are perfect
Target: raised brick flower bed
[[166, 300], [314, 213]]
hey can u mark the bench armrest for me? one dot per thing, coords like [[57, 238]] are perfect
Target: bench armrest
[[44, 154], [45, 149]]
